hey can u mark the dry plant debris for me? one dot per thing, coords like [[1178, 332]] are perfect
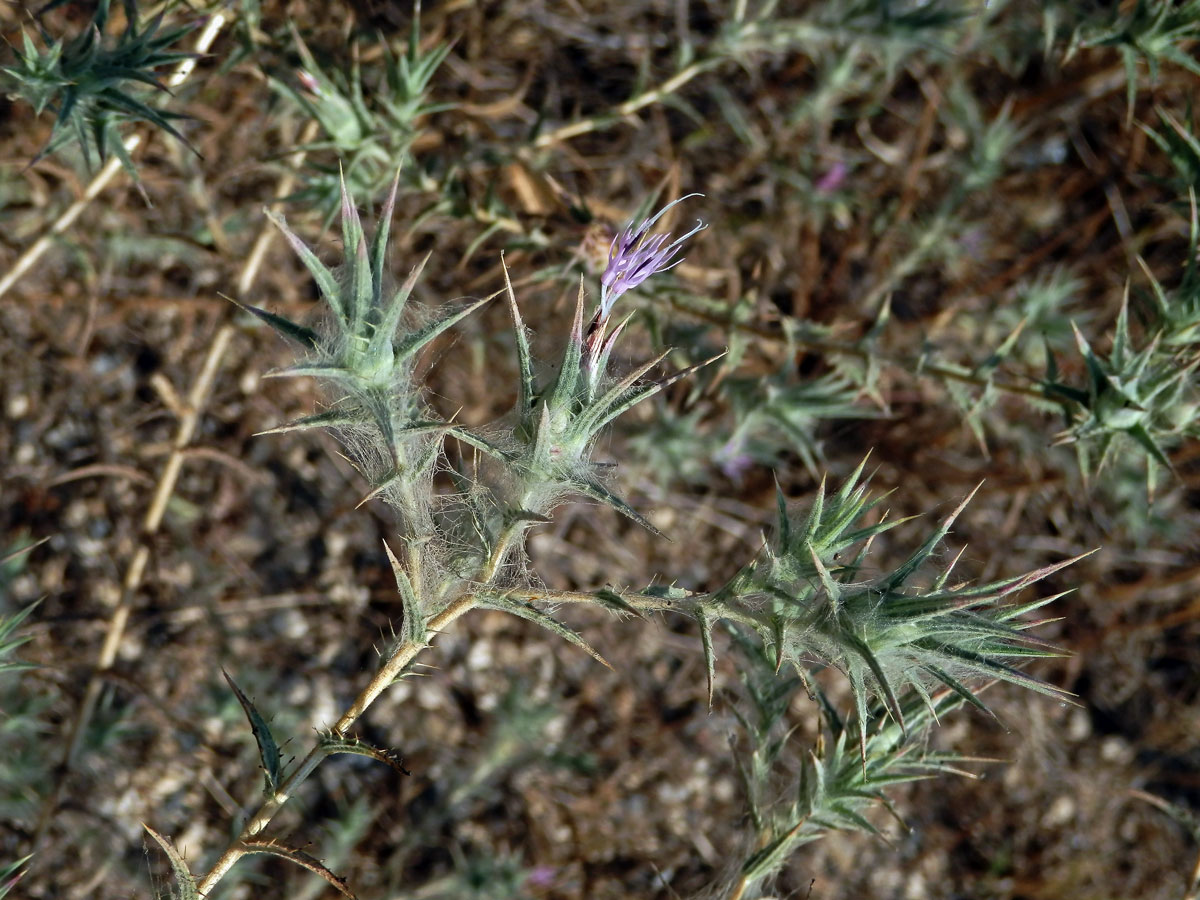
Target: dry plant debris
[[956, 239]]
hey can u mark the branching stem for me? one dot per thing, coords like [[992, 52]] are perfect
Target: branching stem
[[384, 678]]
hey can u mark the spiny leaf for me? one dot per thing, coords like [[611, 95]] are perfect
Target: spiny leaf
[[354, 246], [12, 873], [415, 340], [185, 884], [413, 629], [771, 857], [286, 327], [334, 418], [960, 689], [382, 230], [616, 396], [326, 282], [616, 602], [705, 622], [562, 395], [986, 666], [386, 331], [332, 372], [542, 436], [268, 750], [300, 858], [524, 359], [525, 611], [863, 649], [469, 437], [598, 492], [332, 743], [8, 645], [904, 571]]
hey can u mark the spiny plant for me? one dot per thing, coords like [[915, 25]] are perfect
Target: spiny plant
[[93, 84], [804, 597], [797, 795], [1178, 141], [807, 599], [1145, 395], [1154, 31], [368, 126]]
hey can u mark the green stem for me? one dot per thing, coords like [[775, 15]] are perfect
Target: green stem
[[384, 678]]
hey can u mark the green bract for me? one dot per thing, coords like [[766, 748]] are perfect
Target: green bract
[[363, 352], [556, 426]]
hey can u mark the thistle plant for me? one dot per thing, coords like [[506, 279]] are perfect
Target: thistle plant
[[909, 225], [452, 561], [94, 85], [908, 652], [1153, 32], [1146, 396], [369, 125]]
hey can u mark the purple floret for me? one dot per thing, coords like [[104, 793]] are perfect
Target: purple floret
[[633, 257]]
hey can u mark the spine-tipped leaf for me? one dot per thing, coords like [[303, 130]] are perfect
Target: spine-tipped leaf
[[268, 749], [332, 743], [185, 884], [300, 858]]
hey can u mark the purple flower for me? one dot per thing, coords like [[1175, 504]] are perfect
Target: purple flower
[[633, 258], [733, 459], [542, 876], [833, 179]]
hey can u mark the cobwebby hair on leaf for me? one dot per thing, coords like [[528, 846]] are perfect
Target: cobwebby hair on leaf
[[909, 650]]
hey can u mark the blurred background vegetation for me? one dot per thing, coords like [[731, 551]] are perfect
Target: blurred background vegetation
[[961, 236]]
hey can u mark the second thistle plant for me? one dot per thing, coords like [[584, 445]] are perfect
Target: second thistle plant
[[369, 126]]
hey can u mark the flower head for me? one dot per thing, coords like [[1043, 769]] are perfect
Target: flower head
[[832, 179], [633, 257]]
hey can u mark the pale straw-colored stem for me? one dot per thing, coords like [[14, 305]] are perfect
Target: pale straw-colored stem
[[384, 678], [119, 617], [628, 108], [100, 180]]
